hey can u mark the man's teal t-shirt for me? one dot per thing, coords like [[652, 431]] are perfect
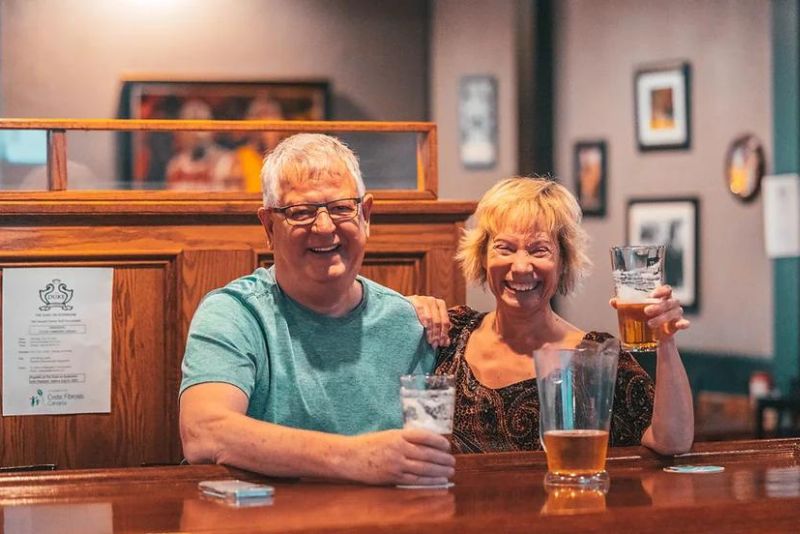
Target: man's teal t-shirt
[[302, 369]]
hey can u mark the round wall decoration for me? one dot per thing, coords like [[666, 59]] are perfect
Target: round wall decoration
[[744, 167]]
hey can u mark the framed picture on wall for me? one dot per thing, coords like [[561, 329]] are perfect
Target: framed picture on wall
[[674, 223], [591, 177], [744, 167], [663, 112], [209, 160], [477, 121]]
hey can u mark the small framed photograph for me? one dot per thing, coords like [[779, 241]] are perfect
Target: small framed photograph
[[477, 120], [590, 177], [209, 161], [744, 167], [663, 114], [674, 223]]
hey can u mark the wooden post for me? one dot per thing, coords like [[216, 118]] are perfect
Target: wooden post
[[56, 160], [427, 165]]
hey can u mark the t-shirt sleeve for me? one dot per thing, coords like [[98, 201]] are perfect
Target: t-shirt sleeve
[[224, 345], [404, 329], [424, 357], [633, 402]]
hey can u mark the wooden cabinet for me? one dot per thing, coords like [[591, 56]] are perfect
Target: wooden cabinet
[[167, 252]]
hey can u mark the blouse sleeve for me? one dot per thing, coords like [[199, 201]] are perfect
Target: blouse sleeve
[[460, 317], [633, 402], [633, 398]]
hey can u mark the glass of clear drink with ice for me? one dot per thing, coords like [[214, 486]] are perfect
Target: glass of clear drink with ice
[[428, 402]]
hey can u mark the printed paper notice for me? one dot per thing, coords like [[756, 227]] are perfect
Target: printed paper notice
[[57, 340]]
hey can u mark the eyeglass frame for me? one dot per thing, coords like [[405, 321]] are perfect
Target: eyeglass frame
[[318, 206]]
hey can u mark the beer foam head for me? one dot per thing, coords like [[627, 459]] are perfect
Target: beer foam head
[[630, 294]]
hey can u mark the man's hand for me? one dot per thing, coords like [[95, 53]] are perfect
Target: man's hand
[[407, 456], [432, 314]]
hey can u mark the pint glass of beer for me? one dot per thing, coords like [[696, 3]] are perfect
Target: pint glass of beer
[[576, 394], [637, 270]]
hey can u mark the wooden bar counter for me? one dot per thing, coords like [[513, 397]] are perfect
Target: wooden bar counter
[[759, 491]]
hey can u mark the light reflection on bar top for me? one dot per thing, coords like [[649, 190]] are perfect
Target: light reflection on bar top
[[88, 518], [783, 482]]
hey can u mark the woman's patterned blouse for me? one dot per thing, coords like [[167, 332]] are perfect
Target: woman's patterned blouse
[[507, 419]]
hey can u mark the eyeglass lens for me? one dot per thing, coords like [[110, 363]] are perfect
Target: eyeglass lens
[[338, 210]]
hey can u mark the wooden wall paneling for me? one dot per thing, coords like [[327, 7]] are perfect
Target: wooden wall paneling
[[172, 357], [168, 253], [442, 276], [434, 243], [402, 272], [102, 241], [399, 272], [138, 429], [204, 270], [143, 379]]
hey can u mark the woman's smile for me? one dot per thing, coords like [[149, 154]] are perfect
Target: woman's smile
[[520, 287]]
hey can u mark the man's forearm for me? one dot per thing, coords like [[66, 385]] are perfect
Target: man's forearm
[[239, 441], [215, 429]]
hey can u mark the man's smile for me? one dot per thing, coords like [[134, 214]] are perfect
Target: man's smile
[[325, 250]]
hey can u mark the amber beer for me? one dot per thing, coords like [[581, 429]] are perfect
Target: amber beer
[[636, 335], [576, 452]]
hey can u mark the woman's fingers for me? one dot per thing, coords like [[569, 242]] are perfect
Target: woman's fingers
[[667, 314], [444, 323], [671, 315], [662, 307], [432, 315], [662, 292]]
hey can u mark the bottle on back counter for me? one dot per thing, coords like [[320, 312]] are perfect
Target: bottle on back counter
[[760, 386]]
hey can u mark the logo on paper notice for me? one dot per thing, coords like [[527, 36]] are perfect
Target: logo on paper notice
[[56, 295], [37, 398]]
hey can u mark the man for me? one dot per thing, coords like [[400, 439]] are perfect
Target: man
[[293, 370]]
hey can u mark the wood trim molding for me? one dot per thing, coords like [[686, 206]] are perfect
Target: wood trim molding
[[156, 208], [427, 180]]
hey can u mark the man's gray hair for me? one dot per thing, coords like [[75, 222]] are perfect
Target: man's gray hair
[[307, 157]]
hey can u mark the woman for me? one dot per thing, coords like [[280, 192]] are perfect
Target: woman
[[528, 245]]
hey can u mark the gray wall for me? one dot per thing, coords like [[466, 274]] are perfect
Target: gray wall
[[473, 37], [65, 58], [599, 47], [388, 60]]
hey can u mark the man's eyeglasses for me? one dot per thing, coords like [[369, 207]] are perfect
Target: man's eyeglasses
[[344, 209]]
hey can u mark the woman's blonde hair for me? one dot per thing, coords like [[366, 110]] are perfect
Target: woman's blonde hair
[[524, 204]]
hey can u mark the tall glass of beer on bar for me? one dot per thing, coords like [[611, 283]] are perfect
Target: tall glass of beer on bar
[[576, 394], [637, 271]]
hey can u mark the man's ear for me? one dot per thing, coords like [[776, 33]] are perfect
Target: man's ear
[[366, 211], [267, 222]]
